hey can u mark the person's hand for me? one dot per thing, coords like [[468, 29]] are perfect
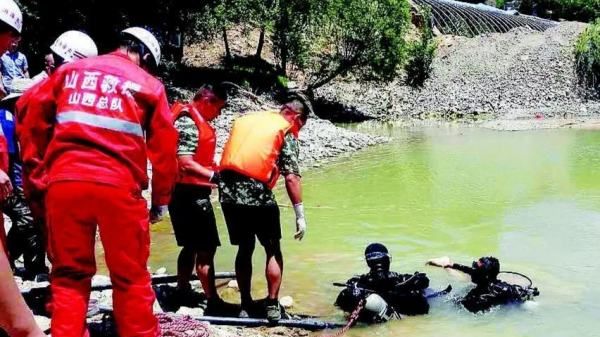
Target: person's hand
[[300, 222], [300, 229], [443, 262], [5, 186], [215, 178], [38, 209], [157, 213], [356, 291]]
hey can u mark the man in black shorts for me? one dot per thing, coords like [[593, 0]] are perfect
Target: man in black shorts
[[261, 145], [191, 212]]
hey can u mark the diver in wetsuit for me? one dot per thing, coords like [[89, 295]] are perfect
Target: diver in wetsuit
[[386, 294], [488, 291]]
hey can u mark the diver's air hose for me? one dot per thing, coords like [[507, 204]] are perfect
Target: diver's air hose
[[519, 274]]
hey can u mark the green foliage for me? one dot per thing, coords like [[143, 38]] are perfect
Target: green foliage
[[587, 57], [325, 38], [576, 10], [362, 37], [101, 19], [283, 81], [295, 22], [500, 4], [215, 15], [421, 54]]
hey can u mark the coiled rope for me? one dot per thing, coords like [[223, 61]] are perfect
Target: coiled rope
[[172, 325]]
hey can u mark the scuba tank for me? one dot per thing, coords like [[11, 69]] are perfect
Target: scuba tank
[[378, 309]]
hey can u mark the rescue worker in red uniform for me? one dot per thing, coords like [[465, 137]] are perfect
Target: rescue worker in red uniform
[[15, 317], [93, 125], [5, 183], [11, 21], [26, 237], [70, 46], [191, 212], [260, 146]]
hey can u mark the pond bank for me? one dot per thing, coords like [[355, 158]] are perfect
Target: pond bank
[[427, 182], [320, 139], [521, 72]]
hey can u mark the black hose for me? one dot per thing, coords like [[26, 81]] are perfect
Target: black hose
[[519, 274], [308, 324], [156, 279]]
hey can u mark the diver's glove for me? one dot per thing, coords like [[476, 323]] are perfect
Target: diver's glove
[[300, 221], [157, 213], [356, 291], [530, 293]]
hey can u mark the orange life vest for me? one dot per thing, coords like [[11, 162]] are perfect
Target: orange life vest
[[205, 150], [254, 146]]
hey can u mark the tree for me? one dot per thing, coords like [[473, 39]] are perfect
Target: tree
[[587, 58], [362, 37], [296, 21], [421, 52], [577, 10], [217, 16], [101, 19]]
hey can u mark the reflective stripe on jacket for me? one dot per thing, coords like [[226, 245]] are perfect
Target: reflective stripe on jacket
[[100, 119]]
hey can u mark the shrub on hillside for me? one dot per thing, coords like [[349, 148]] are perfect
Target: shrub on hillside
[[587, 57], [365, 38], [421, 54], [573, 10]]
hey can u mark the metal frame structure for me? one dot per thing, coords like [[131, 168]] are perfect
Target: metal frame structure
[[459, 18]]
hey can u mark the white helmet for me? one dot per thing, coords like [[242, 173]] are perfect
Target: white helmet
[[147, 39], [74, 45], [11, 14]]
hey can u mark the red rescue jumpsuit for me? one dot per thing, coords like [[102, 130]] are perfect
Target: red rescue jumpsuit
[[93, 125], [3, 167], [35, 186]]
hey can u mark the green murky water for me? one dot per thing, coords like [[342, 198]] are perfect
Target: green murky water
[[530, 198]]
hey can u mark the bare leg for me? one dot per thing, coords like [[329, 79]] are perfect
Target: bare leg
[[185, 267], [274, 269], [16, 317], [205, 268], [243, 270]]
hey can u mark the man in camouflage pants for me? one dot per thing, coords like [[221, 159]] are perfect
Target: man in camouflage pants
[[26, 236], [261, 145]]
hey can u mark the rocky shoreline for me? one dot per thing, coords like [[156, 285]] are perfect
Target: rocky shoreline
[[522, 74], [100, 300], [320, 139]]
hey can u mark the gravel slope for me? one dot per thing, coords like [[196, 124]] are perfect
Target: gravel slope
[[514, 75]]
